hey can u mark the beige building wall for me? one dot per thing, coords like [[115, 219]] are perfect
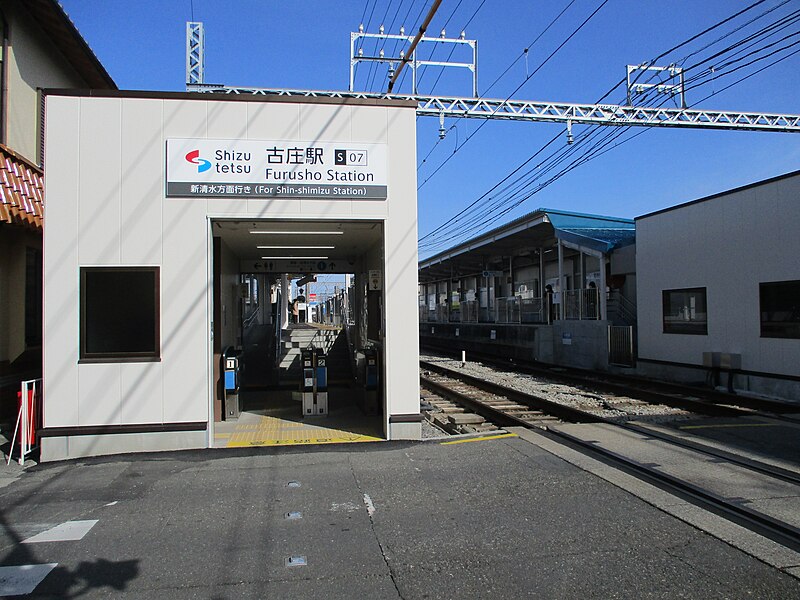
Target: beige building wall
[[33, 62], [107, 192]]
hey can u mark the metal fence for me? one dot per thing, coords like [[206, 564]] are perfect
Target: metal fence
[[532, 310], [581, 304], [469, 311], [507, 310]]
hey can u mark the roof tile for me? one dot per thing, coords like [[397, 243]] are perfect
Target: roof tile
[[21, 190]]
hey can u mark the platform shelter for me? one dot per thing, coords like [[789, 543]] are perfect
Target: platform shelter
[[552, 286]]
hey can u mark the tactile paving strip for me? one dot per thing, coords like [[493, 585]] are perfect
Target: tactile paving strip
[[271, 431]]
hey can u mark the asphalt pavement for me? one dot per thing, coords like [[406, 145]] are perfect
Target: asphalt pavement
[[497, 518]]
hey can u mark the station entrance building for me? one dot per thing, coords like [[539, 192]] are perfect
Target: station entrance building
[[176, 226]]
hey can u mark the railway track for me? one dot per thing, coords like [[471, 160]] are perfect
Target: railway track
[[701, 474], [646, 389]]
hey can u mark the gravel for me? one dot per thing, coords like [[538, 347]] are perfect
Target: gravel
[[593, 401]]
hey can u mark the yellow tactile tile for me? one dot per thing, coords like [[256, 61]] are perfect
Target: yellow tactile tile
[[270, 431]]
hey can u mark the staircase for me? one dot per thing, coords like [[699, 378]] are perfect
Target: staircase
[[301, 336], [620, 310]]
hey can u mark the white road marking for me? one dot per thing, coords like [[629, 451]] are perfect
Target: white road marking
[[66, 532], [112, 503], [23, 579], [369, 504]]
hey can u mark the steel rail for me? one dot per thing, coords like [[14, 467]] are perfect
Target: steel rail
[[628, 384], [553, 112], [756, 521], [580, 416]]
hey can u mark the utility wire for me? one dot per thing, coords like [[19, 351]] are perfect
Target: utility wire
[[543, 63], [508, 68], [597, 150]]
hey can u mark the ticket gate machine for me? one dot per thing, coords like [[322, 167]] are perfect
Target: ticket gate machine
[[371, 381], [314, 384], [230, 369]]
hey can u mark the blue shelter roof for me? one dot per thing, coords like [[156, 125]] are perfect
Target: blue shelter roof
[[592, 231]]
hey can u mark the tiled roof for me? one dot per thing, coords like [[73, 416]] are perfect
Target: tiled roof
[[21, 191]]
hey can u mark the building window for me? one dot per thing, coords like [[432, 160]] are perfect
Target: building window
[[33, 297], [685, 311], [120, 314], [780, 309]]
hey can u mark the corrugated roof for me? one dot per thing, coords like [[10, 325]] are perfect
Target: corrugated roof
[[593, 231], [21, 190], [598, 232]]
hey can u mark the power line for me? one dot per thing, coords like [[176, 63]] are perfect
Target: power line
[[598, 149], [546, 60]]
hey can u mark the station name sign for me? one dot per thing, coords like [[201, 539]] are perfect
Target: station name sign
[[203, 168]]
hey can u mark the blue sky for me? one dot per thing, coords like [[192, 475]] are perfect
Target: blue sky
[[306, 45]]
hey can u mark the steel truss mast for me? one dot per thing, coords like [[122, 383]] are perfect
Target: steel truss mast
[[554, 112]]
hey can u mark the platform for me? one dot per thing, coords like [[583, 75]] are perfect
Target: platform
[[272, 418]]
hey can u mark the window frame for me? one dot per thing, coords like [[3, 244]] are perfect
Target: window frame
[[120, 357], [776, 335], [685, 327]]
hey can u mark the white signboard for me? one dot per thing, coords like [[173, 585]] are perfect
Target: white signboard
[[275, 169], [375, 277]]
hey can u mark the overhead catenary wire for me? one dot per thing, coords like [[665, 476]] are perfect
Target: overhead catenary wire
[[413, 46], [600, 148], [491, 85], [605, 145], [541, 65]]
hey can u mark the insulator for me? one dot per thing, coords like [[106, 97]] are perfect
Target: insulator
[[463, 35], [380, 29], [361, 28], [443, 33], [402, 30]]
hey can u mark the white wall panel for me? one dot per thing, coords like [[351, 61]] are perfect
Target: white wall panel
[[400, 271], [227, 120], [142, 182], [61, 329], [99, 183], [184, 119], [273, 121], [100, 394], [185, 323], [327, 209], [274, 208], [325, 122], [728, 244], [140, 392], [370, 125]]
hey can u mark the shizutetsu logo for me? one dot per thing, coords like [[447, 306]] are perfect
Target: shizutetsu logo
[[203, 165]]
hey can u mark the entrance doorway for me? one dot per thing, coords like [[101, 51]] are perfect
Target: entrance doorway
[[287, 294]]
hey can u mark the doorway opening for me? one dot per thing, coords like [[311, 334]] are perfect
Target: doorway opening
[[298, 333]]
